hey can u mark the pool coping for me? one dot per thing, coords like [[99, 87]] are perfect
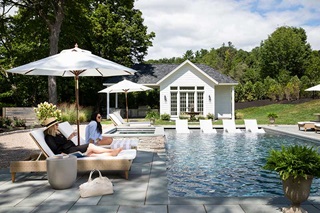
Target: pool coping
[[158, 131]]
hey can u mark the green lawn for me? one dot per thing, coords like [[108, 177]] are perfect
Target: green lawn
[[288, 113]]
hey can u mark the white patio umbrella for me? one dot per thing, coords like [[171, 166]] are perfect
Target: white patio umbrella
[[314, 88], [73, 63], [125, 86]]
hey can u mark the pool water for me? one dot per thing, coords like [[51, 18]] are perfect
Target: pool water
[[225, 165], [134, 132]]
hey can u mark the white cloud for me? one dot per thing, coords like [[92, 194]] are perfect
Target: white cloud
[[181, 25]]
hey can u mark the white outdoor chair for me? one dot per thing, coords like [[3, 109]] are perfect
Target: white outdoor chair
[[118, 121], [182, 126], [206, 126], [252, 126], [230, 126]]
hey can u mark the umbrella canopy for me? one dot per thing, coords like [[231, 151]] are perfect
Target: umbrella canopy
[[314, 88], [125, 86], [73, 63]]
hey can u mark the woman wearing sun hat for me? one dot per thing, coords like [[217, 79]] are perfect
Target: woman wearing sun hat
[[60, 144]]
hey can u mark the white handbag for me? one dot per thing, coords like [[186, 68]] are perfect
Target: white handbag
[[99, 186]]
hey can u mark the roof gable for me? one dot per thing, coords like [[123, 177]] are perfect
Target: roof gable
[[153, 74]]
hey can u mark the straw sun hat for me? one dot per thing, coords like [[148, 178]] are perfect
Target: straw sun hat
[[49, 122]]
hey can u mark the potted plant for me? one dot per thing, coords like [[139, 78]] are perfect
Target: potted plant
[[152, 116], [272, 117], [46, 110], [297, 166]]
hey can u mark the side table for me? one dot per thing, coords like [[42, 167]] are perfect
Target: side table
[[62, 171]]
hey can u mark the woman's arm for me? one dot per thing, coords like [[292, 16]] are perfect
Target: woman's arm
[[92, 132]]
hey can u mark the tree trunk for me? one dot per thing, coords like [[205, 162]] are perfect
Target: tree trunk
[[55, 29], [52, 83]]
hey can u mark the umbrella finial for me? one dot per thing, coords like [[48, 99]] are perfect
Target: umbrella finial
[[76, 45]]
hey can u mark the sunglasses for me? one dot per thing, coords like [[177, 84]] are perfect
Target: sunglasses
[[99, 117]]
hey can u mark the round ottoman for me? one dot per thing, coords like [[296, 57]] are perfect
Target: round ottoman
[[62, 171]]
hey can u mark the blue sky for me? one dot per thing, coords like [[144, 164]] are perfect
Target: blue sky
[[182, 25]]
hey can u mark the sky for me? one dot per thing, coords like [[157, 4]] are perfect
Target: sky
[[182, 25]]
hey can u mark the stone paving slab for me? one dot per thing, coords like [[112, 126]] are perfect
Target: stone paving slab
[[145, 191]]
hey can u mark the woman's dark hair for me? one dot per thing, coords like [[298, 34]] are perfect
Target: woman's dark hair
[[94, 118]]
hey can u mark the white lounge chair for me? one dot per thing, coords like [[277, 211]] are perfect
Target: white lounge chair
[[119, 121], [126, 143], [252, 126], [206, 126], [116, 121], [182, 126], [307, 125], [230, 126], [121, 162]]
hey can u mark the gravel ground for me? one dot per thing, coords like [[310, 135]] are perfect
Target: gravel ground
[[19, 146]]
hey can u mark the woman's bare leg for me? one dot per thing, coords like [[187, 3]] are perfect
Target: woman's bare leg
[[113, 152], [97, 149], [105, 141]]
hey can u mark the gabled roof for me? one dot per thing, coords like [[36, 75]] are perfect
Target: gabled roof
[[151, 74]]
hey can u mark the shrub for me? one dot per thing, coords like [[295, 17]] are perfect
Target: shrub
[[152, 115], [210, 116], [2, 125], [69, 113], [239, 115], [295, 161], [165, 117], [183, 116], [201, 117], [46, 110], [272, 115], [17, 122], [8, 122]]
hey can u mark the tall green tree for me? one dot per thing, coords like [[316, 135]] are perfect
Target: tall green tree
[[29, 41], [313, 68], [118, 32], [285, 49]]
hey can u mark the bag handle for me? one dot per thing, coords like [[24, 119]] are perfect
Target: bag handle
[[92, 171]]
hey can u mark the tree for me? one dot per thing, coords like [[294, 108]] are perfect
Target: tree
[[23, 40], [313, 67], [285, 49], [52, 13], [259, 90], [118, 32], [189, 55]]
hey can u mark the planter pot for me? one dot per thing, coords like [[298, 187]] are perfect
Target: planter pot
[[272, 120], [152, 121], [297, 191]]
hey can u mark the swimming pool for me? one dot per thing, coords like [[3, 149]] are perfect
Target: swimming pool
[[134, 131], [224, 165]]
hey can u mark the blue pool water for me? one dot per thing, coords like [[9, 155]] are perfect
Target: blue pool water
[[224, 165]]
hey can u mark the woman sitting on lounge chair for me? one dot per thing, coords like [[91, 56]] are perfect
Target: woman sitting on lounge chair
[[59, 144], [94, 131]]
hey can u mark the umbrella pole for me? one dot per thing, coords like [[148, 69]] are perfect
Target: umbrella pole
[[77, 106], [126, 105]]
